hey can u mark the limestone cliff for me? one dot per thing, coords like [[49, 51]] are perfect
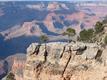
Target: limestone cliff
[[63, 61], [15, 64]]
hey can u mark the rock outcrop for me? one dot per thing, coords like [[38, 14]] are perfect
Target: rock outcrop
[[15, 64], [73, 61]]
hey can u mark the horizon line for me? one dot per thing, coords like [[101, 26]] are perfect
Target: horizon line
[[60, 0]]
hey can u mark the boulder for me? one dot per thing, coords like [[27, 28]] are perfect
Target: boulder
[[90, 53], [93, 45], [78, 46]]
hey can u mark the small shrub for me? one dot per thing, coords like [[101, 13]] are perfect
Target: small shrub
[[44, 38], [69, 32], [99, 27], [86, 35]]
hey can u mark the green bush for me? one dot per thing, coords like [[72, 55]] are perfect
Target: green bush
[[69, 32], [86, 35], [99, 27], [44, 38]]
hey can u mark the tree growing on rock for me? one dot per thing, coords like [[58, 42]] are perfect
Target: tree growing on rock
[[69, 32], [86, 35], [99, 27], [44, 39], [10, 76]]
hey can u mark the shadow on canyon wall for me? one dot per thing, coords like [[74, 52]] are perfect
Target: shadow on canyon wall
[[15, 45]]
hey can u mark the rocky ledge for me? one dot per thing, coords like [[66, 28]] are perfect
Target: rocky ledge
[[65, 61]]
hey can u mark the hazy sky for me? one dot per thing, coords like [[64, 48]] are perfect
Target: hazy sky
[[53, 0]]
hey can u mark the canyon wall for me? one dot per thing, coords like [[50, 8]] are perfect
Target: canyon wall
[[63, 61]]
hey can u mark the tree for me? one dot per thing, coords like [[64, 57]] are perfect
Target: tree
[[10, 76], [105, 40], [99, 27], [86, 35], [44, 39], [69, 32]]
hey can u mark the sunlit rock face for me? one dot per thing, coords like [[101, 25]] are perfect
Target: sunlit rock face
[[15, 64], [83, 64], [18, 66]]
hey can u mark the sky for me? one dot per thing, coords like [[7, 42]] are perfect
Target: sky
[[53, 0]]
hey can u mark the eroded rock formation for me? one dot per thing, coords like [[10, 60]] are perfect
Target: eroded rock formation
[[64, 62]]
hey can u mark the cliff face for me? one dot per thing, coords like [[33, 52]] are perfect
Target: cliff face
[[3, 68], [15, 64], [63, 61], [18, 66]]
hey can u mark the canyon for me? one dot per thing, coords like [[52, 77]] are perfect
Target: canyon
[[21, 23], [22, 54]]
